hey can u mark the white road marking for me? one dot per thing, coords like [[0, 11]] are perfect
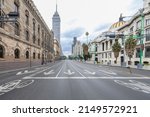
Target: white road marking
[[59, 71], [43, 70], [88, 72], [108, 72], [4, 88], [26, 72], [78, 71], [69, 72], [48, 73], [86, 77], [135, 85]]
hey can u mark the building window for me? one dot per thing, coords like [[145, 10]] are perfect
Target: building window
[[38, 56], [102, 55], [131, 29], [147, 22], [1, 15], [27, 17], [33, 55], [16, 4], [138, 53], [34, 26], [109, 55], [17, 29], [148, 34], [106, 45], [96, 48], [147, 51], [17, 53], [138, 24], [39, 42], [42, 44], [27, 54], [122, 51], [105, 55], [27, 35], [1, 2], [110, 43], [102, 46], [39, 31], [34, 39], [1, 51]]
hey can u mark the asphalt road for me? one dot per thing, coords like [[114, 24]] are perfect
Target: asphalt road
[[73, 80]]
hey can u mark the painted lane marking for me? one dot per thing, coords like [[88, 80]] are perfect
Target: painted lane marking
[[78, 71], [135, 85], [43, 70], [48, 73], [88, 72], [105, 78], [69, 72], [108, 72], [26, 72], [4, 88], [32, 71], [59, 71]]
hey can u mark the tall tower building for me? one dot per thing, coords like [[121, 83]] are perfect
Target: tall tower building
[[56, 25]]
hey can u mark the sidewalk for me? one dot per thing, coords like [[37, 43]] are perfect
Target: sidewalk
[[4, 66], [146, 67]]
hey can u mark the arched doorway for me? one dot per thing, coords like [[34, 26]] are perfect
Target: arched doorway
[[17, 53], [27, 54], [1, 51]]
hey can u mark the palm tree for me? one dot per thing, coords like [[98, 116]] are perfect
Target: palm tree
[[116, 48], [130, 45]]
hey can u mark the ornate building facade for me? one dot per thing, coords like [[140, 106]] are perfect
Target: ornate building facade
[[101, 46], [57, 49], [27, 39]]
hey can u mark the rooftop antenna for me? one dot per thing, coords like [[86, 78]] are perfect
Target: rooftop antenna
[[56, 5]]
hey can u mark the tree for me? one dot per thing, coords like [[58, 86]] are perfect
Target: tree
[[116, 48], [85, 51], [130, 45]]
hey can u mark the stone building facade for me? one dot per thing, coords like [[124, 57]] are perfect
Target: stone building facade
[[57, 49], [102, 44], [77, 49], [27, 39], [134, 27]]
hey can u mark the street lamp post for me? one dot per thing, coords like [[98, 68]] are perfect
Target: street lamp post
[[30, 56], [95, 50], [87, 34], [141, 36]]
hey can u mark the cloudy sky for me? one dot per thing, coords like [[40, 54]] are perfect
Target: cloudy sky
[[80, 16]]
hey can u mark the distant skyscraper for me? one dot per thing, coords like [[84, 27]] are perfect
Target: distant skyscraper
[[74, 43], [56, 25]]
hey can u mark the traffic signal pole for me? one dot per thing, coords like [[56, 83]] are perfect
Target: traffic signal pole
[[141, 36]]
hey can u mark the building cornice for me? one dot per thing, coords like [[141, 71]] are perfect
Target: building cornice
[[136, 16], [35, 12]]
